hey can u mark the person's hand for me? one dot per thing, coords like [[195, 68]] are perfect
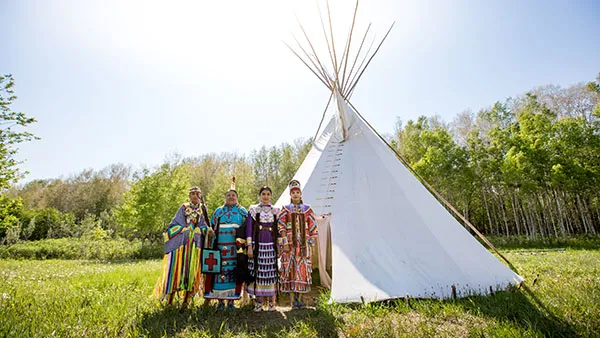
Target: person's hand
[[250, 252], [211, 232], [286, 248]]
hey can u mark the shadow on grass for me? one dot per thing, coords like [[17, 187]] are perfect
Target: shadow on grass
[[522, 309], [170, 322]]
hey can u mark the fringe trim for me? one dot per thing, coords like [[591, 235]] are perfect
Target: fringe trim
[[222, 294], [262, 290], [299, 287], [180, 269]]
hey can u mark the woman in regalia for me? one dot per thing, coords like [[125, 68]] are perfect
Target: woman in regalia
[[183, 243], [298, 232], [225, 221], [261, 237]]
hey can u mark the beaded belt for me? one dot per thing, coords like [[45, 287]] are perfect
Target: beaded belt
[[265, 228]]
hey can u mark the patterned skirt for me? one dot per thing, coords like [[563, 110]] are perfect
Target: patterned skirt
[[265, 274], [224, 286], [296, 273]]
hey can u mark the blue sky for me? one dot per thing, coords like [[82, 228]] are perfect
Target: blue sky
[[133, 81]]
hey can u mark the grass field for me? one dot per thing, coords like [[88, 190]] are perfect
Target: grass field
[[94, 298]]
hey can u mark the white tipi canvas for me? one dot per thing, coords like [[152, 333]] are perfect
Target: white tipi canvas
[[390, 237]]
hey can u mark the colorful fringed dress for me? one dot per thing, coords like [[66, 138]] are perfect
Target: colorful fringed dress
[[225, 286], [183, 244], [262, 233], [298, 228]]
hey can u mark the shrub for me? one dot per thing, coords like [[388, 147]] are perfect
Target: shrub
[[95, 244]]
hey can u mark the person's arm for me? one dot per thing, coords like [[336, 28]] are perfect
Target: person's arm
[[283, 219], [213, 219], [204, 227], [213, 225], [313, 231], [249, 229]]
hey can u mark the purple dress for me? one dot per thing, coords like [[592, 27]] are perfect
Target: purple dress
[[263, 215]]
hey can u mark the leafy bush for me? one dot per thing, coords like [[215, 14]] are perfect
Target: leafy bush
[[590, 242], [93, 245]]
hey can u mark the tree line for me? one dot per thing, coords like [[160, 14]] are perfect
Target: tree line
[[526, 166], [121, 202]]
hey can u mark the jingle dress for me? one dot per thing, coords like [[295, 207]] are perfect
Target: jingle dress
[[262, 233]]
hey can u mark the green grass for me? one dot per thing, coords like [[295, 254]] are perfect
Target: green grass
[[92, 298]]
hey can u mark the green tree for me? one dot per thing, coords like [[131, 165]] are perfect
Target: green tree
[[245, 184], [433, 154], [50, 222], [153, 200], [11, 211], [89, 192], [11, 133], [594, 87]]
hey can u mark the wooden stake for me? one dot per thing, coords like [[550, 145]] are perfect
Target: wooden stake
[[520, 285]]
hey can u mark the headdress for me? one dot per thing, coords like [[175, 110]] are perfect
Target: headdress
[[232, 186], [294, 184]]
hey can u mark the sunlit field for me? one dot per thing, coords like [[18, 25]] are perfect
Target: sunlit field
[[561, 297]]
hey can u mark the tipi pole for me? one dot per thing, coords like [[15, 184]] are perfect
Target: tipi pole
[[345, 93], [347, 51], [314, 61], [322, 118], [349, 93], [357, 55], [323, 69], [306, 64], [335, 63], [327, 41]]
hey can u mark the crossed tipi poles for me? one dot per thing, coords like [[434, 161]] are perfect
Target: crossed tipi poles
[[341, 78]]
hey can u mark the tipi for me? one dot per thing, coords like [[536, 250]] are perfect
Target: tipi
[[389, 237]]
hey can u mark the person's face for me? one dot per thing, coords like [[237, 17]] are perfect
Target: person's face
[[265, 197], [296, 195], [195, 197], [231, 198]]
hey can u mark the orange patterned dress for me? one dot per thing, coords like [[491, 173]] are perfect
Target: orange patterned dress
[[298, 228]]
